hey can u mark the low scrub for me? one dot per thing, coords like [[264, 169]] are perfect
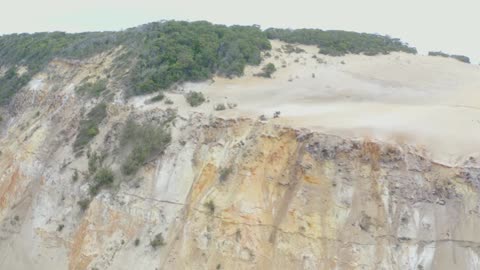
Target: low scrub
[[89, 126], [158, 241], [158, 97], [145, 142], [103, 178], [94, 89], [289, 48], [267, 71], [224, 173], [84, 203], [195, 99], [210, 205], [220, 107]]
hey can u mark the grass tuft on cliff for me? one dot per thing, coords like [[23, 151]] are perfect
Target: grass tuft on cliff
[[144, 141], [89, 126]]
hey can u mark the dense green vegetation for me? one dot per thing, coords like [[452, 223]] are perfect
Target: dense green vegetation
[[460, 58], [144, 142], [89, 126], [180, 51], [338, 43]]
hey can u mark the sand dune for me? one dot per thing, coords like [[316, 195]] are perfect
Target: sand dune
[[429, 102]]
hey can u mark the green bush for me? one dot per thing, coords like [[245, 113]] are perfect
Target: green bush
[[103, 178], [157, 241], [224, 173], [93, 163], [84, 203], [289, 48], [145, 140], [210, 205], [158, 97], [89, 126], [267, 70], [195, 99], [75, 176], [94, 89], [220, 107]]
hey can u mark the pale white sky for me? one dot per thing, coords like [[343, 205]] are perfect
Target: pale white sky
[[447, 25]]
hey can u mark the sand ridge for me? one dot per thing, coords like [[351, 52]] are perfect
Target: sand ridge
[[429, 102]]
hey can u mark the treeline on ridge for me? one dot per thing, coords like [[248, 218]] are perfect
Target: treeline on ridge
[[460, 58], [161, 54], [338, 43]]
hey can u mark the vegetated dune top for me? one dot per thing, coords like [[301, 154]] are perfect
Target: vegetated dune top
[[428, 102]]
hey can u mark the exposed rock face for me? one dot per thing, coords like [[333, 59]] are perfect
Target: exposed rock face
[[226, 194]]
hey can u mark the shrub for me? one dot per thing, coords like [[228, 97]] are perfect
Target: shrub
[[75, 176], [461, 58], [94, 89], [168, 101], [93, 161], [267, 71], [60, 227], [195, 99], [89, 126], [220, 107], [224, 173], [157, 241], [210, 205], [158, 97], [103, 178], [147, 141], [288, 48], [84, 203], [137, 242], [442, 54]]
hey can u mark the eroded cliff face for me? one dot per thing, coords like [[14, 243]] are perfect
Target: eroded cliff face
[[227, 194]]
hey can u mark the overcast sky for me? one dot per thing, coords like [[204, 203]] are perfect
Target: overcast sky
[[447, 25]]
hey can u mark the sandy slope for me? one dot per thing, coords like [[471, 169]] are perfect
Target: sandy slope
[[429, 102]]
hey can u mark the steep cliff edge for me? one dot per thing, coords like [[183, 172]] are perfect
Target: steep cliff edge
[[229, 192]]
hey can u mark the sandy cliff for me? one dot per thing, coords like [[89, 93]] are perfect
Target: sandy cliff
[[371, 165]]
